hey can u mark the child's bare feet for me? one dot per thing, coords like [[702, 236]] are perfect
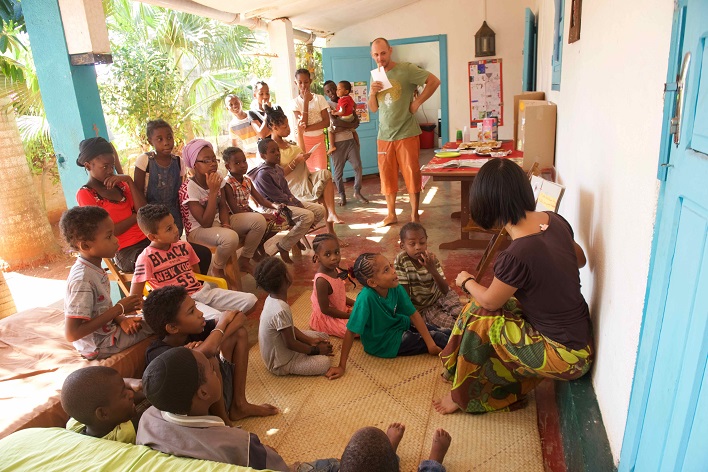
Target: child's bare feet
[[284, 255], [395, 434], [361, 197], [441, 443], [415, 218], [249, 409], [389, 220], [445, 405], [342, 199]]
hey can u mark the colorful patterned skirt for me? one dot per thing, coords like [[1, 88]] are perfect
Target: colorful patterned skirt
[[495, 358]]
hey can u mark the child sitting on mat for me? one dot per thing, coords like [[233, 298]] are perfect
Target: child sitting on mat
[[382, 316], [284, 348], [330, 304], [101, 403], [421, 275]]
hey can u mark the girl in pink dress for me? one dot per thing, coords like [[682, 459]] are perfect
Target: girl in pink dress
[[330, 305]]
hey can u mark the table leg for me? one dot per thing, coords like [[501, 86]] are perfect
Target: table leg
[[465, 242]]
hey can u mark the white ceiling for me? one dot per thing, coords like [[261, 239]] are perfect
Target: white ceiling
[[327, 16]]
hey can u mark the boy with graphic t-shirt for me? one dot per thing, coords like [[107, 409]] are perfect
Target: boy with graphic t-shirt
[[170, 261]]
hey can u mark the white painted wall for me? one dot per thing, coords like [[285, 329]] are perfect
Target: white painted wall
[[460, 20], [609, 124]]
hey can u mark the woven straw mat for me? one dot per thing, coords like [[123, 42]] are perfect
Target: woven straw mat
[[318, 416]]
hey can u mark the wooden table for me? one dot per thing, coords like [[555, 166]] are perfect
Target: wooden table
[[465, 176]]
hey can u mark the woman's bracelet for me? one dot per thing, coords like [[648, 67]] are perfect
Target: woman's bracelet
[[463, 286], [219, 330], [122, 308], [291, 165]]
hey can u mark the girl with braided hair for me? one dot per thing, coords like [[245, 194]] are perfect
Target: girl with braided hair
[[330, 304], [385, 318]]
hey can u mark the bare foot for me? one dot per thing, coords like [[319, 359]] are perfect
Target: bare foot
[[441, 443], [284, 255], [342, 200], [244, 265], [389, 220], [415, 218], [249, 409], [361, 197], [334, 218], [445, 405], [395, 434]]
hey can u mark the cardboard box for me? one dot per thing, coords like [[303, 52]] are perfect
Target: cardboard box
[[537, 132], [517, 99]]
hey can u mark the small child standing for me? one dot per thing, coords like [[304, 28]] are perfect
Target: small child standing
[[173, 315], [160, 174], [101, 404], [170, 261], [284, 348], [421, 274], [96, 327], [330, 304], [382, 315]]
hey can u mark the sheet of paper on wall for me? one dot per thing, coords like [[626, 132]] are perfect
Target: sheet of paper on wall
[[379, 75], [547, 194]]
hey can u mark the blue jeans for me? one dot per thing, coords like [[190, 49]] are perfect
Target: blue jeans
[[412, 342]]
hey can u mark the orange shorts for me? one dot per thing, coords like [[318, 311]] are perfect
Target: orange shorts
[[399, 155]]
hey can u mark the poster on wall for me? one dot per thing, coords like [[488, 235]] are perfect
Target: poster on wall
[[360, 95], [486, 98]]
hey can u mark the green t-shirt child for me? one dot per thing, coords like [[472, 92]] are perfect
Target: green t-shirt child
[[381, 321], [395, 119]]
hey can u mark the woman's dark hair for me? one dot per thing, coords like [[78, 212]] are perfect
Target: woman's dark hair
[[260, 84], [328, 82], [230, 152], [154, 125], [364, 267], [274, 116], [501, 193], [302, 71], [270, 274], [263, 145]]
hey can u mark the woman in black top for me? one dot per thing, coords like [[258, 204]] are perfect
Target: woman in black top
[[499, 351]]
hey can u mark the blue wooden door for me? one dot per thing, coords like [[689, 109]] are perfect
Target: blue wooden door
[[667, 425], [355, 65], [528, 77]]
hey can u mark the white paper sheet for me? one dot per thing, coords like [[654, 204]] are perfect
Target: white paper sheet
[[379, 75]]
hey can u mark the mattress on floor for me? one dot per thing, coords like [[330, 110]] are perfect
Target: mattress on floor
[[35, 358]]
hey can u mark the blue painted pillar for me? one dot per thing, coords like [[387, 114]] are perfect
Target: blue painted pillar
[[69, 93]]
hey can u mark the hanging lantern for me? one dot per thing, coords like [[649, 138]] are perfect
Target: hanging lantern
[[484, 41]]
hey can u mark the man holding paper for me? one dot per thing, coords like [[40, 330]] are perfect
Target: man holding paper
[[392, 92]]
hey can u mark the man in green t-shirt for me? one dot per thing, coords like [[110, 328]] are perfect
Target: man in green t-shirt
[[399, 134]]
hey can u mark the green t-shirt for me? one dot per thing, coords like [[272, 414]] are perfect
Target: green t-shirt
[[395, 119], [381, 321]]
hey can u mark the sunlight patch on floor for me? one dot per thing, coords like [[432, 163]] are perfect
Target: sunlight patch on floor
[[31, 292], [430, 195], [376, 239]]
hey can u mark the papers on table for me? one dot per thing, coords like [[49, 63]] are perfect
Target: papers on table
[[379, 75], [459, 163]]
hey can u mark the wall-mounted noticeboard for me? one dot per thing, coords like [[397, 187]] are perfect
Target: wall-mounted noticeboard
[[486, 97]]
